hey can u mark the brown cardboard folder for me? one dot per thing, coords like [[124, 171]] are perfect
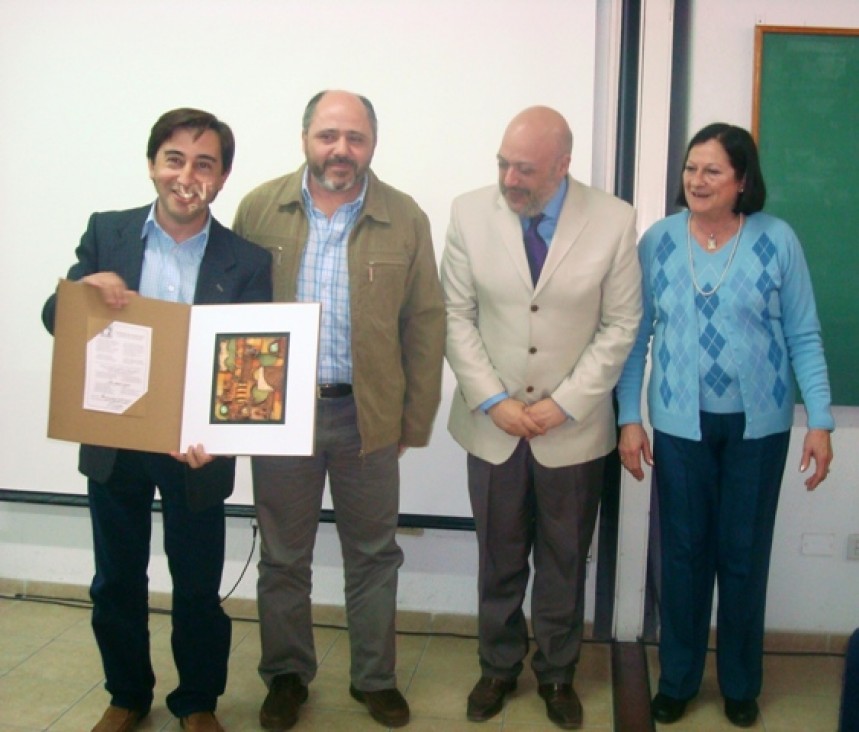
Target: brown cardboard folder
[[154, 422]]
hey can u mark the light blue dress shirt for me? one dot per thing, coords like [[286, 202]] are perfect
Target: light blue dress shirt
[[170, 270], [323, 277]]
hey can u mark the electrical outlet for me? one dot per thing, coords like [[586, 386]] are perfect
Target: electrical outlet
[[853, 546]]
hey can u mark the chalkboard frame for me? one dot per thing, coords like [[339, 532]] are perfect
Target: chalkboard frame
[[839, 321]]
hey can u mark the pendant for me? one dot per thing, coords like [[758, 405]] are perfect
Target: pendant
[[711, 242]]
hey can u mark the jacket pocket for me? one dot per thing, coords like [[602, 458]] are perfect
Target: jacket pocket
[[284, 256], [385, 286]]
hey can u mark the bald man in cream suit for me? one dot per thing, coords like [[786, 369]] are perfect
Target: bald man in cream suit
[[536, 351]]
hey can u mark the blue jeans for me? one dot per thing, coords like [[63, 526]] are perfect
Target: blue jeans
[[121, 511]]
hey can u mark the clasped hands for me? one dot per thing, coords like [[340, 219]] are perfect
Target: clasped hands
[[527, 420]]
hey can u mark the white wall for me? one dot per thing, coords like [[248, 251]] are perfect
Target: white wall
[[81, 84], [807, 593], [77, 103]]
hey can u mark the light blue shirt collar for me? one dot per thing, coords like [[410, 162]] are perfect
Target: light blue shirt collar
[[551, 212], [198, 241], [552, 209], [170, 270]]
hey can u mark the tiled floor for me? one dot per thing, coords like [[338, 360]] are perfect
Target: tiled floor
[[51, 679]]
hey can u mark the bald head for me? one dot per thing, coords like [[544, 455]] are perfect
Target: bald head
[[541, 128], [533, 159]]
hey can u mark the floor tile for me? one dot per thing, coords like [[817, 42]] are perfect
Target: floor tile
[[437, 695], [62, 660], [799, 712], [51, 679], [804, 675], [443, 654], [39, 619], [16, 649], [29, 700]]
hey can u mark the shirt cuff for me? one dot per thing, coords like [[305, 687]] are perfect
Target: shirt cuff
[[492, 401]]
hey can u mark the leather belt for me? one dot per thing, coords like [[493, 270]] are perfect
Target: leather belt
[[333, 391]]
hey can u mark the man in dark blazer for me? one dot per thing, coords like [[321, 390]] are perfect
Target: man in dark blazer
[[172, 250]]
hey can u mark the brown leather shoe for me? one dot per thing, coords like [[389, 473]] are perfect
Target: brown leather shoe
[[386, 706], [562, 705], [201, 722], [487, 698], [280, 709], [119, 719]]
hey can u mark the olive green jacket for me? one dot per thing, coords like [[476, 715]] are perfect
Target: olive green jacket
[[398, 317]]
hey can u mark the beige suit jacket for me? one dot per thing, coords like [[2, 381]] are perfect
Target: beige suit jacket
[[567, 338]]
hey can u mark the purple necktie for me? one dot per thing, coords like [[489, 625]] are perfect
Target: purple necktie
[[535, 247]]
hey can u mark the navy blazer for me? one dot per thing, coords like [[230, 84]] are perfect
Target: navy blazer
[[233, 270]]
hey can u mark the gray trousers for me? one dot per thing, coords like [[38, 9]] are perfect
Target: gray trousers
[[288, 497], [520, 506]]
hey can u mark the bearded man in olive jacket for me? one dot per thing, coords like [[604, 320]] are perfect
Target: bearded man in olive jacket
[[341, 237]]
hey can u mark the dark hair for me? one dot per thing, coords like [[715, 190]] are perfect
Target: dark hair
[[191, 119], [743, 154], [310, 110]]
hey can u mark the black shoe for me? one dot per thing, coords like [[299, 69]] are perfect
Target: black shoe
[[280, 709], [386, 706], [741, 712], [562, 705], [666, 709], [487, 698]]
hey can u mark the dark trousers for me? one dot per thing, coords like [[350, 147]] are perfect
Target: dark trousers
[[717, 508], [121, 511], [518, 506]]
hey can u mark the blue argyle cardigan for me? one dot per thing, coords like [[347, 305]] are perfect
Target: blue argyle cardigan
[[771, 326]]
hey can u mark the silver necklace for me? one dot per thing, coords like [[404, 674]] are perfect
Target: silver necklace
[[736, 238], [712, 240]]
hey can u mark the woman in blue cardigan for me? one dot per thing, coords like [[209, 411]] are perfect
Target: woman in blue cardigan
[[729, 308]]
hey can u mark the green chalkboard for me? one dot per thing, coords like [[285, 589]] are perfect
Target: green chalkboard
[[806, 122]]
